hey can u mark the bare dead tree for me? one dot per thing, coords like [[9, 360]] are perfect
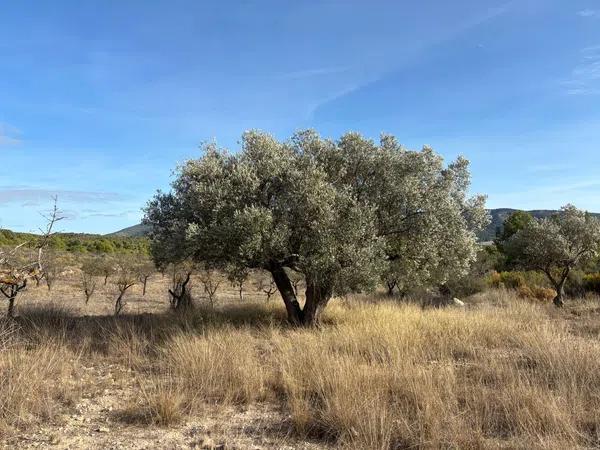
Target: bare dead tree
[[145, 269], [238, 280], [126, 277], [267, 286], [13, 275], [210, 283], [88, 284]]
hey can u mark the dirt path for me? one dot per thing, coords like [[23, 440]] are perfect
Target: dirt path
[[94, 422]]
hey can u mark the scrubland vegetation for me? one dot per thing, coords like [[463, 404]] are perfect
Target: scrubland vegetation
[[377, 374], [302, 294]]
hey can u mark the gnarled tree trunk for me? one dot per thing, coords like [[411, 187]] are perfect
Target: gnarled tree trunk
[[560, 292], [284, 285], [317, 297], [181, 298], [391, 285]]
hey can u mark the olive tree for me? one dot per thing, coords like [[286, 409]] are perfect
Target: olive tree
[[556, 245], [145, 269], [91, 269], [125, 276], [337, 212]]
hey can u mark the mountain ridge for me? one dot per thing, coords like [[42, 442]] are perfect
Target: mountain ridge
[[498, 216]]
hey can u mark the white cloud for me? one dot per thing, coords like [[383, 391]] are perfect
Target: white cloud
[[308, 73], [585, 77], [34, 195], [593, 13]]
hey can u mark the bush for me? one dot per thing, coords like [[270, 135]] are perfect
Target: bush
[[591, 282], [516, 279], [466, 286], [535, 292]]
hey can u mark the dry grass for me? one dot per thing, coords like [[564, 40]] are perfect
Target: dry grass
[[34, 379], [502, 373], [388, 376]]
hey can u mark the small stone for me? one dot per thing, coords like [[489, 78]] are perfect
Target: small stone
[[102, 430], [457, 302]]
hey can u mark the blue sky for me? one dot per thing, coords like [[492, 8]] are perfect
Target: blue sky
[[99, 100]]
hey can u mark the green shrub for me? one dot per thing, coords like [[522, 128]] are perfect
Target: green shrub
[[591, 282]]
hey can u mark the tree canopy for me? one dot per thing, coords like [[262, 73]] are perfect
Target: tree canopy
[[343, 213], [556, 245]]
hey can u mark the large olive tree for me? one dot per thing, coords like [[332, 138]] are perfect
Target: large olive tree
[[341, 213], [556, 245]]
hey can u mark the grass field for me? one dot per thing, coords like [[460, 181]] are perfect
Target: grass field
[[500, 373]]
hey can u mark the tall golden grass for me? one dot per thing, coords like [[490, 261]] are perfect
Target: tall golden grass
[[501, 373]]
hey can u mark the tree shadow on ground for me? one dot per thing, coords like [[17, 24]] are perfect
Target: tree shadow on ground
[[94, 333]]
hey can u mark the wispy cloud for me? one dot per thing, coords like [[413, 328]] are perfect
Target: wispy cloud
[[590, 13], [9, 135], [93, 213], [37, 196], [309, 73], [549, 168], [385, 70], [585, 77]]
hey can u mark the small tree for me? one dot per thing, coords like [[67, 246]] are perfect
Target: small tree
[[556, 245], [90, 270], [210, 282], [145, 269], [52, 264], [266, 285], [238, 279], [125, 277], [88, 285], [107, 267]]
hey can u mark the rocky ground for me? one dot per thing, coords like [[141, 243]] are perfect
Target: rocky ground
[[97, 421]]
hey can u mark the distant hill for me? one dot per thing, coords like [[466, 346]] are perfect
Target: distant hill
[[488, 234], [138, 230]]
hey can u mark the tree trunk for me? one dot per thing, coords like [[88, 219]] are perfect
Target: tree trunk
[[180, 297], [284, 285], [105, 279], [11, 308], [559, 285], [391, 285], [119, 304], [560, 292], [317, 297]]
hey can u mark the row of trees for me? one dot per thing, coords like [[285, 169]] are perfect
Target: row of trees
[[78, 243]]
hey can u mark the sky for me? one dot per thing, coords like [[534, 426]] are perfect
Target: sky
[[100, 100]]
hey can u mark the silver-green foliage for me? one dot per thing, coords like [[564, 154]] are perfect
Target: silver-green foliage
[[556, 245], [342, 213]]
